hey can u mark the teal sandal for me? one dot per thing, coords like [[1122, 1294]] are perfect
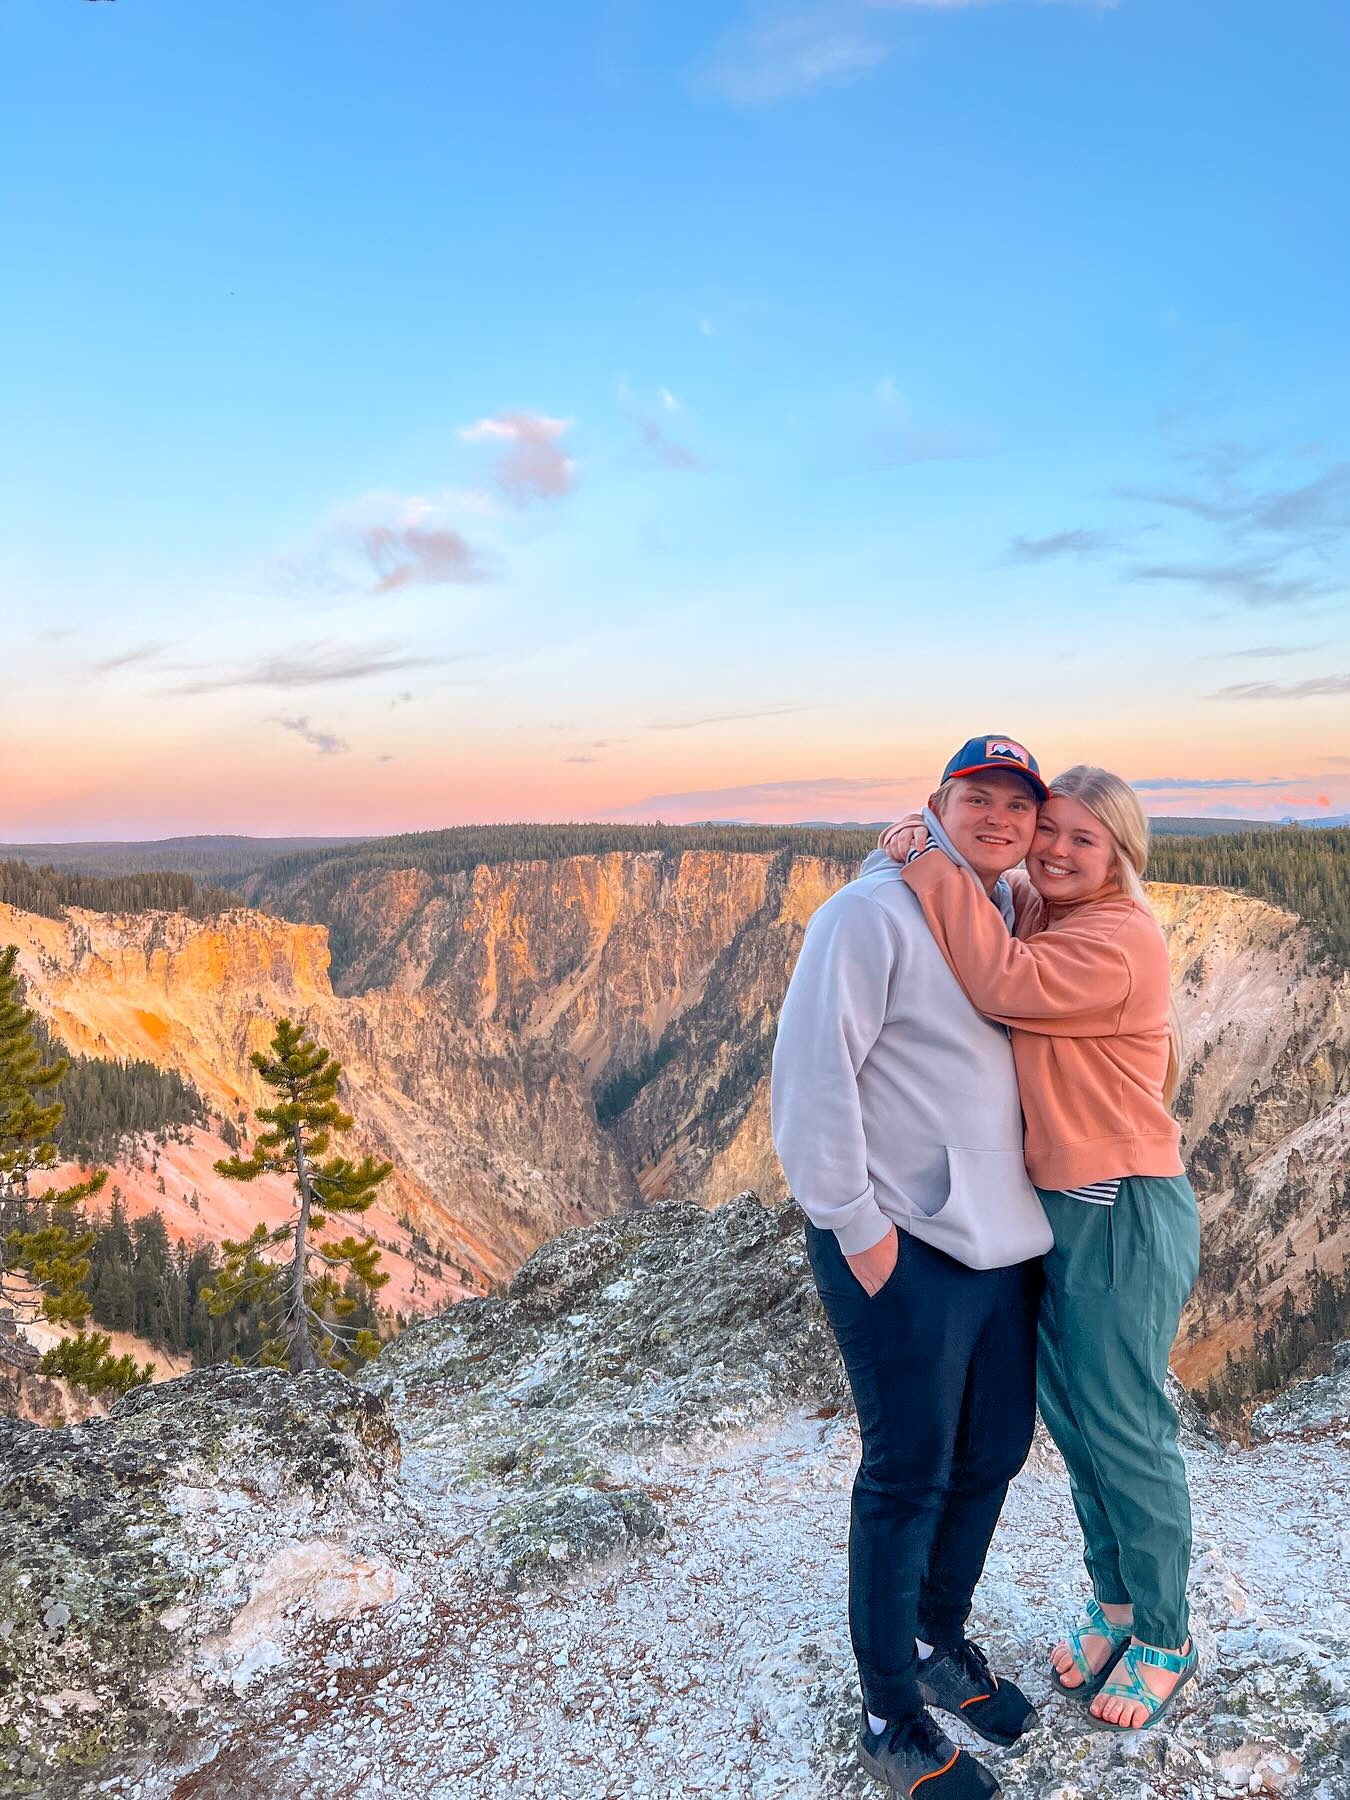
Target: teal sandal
[[1126, 1683], [1095, 1624]]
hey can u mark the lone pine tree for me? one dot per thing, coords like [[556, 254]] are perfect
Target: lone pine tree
[[44, 1246], [304, 1296]]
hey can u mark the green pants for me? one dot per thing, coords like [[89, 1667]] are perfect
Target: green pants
[[1115, 1283]]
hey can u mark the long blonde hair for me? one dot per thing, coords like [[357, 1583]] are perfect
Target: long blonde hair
[[1114, 803]]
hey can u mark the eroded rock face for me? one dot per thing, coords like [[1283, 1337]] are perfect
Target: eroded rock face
[[124, 1542], [1319, 1405], [492, 1135]]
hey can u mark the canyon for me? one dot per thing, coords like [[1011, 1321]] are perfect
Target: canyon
[[537, 1044]]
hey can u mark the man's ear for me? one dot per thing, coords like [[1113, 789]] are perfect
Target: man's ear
[[931, 801]]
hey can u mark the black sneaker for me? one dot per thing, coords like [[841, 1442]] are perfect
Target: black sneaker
[[960, 1681], [914, 1753]]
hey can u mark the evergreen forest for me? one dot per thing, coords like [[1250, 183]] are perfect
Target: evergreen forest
[[141, 1281], [108, 1102], [49, 891], [1306, 872]]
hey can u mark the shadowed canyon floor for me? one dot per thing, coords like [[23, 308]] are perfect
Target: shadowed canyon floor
[[609, 1562]]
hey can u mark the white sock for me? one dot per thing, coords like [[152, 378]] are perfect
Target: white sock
[[924, 1650], [875, 1725]]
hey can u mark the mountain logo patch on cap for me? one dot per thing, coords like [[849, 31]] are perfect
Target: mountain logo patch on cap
[[1006, 747]]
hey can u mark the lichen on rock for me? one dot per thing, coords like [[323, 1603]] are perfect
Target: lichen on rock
[[660, 1327], [111, 1548]]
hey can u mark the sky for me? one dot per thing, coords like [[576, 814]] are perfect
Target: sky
[[416, 415]]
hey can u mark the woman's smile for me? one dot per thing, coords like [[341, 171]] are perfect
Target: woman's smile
[[1072, 854]]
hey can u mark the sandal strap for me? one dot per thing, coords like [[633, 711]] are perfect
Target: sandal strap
[[1100, 1626], [1127, 1683], [1096, 1625], [1175, 1663]]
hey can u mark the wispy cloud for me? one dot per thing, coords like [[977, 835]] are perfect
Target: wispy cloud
[[822, 797], [784, 52], [767, 712], [138, 653], [1199, 784], [890, 434], [657, 445], [1059, 543], [1255, 582], [327, 743], [1259, 653], [1317, 509], [319, 664], [532, 464], [307, 575], [411, 555], [1314, 688]]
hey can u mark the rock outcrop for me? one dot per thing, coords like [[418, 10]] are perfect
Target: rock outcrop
[[149, 1556], [611, 1561]]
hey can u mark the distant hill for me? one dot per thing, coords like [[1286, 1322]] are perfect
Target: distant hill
[[1177, 827], [207, 858], [1165, 825]]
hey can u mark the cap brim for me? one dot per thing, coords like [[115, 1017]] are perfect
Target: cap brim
[[1034, 782]]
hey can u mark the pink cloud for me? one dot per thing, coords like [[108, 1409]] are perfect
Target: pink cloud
[[411, 554], [869, 797], [533, 464]]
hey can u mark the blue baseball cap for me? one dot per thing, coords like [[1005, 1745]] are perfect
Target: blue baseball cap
[[980, 755]]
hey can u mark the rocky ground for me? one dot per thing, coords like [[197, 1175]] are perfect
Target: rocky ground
[[609, 1562]]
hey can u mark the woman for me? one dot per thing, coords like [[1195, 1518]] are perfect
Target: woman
[[1084, 988]]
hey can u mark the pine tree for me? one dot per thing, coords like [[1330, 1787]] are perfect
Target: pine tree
[[43, 1241], [86, 1360], [50, 1259], [304, 1297]]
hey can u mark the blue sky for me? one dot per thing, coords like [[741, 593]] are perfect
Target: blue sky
[[420, 414]]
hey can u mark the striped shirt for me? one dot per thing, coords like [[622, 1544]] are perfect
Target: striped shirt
[[1099, 1193]]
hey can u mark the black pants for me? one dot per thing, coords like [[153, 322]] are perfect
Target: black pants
[[942, 1363]]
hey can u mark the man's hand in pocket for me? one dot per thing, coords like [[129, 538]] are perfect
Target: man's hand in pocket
[[873, 1268]]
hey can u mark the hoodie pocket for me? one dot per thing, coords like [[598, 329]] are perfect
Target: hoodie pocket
[[992, 1217]]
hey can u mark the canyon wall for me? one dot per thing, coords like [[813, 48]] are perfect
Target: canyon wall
[[494, 1142], [537, 1044], [661, 976]]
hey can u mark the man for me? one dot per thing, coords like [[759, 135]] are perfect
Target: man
[[896, 1117]]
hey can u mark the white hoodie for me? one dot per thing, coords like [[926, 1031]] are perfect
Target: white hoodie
[[894, 1102]]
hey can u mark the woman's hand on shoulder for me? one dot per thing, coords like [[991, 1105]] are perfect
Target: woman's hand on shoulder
[[902, 839]]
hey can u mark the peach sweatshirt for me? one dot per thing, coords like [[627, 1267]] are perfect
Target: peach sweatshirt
[[1084, 990]]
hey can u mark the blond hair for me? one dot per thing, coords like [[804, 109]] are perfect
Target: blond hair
[[1115, 805], [941, 795]]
